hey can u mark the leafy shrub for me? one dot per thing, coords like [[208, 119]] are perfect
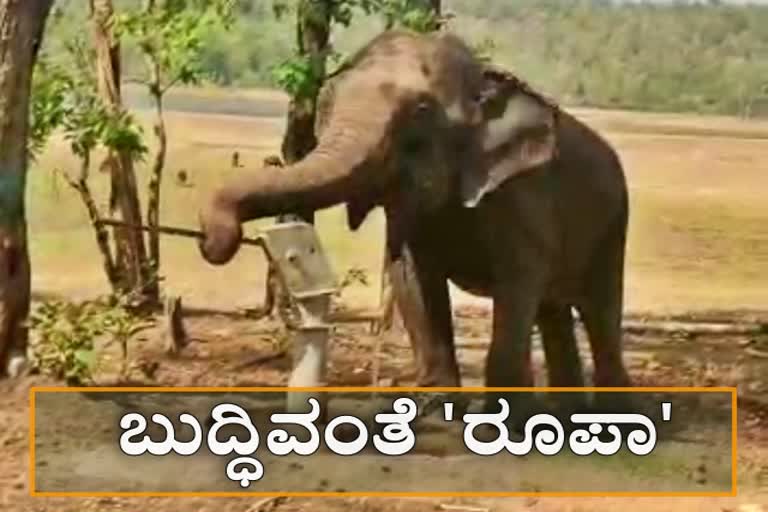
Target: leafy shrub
[[65, 336]]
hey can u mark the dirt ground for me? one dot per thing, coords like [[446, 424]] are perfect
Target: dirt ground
[[232, 351]]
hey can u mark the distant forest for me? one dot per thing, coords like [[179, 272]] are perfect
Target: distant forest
[[704, 58]]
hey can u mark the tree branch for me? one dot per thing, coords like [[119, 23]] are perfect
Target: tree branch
[[138, 81], [102, 235], [156, 173], [169, 85]]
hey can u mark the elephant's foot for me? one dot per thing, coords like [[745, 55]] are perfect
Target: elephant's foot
[[437, 403], [432, 403], [444, 375], [521, 405], [608, 402], [563, 405], [611, 376]]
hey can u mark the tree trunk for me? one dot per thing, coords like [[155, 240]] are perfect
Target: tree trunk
[[21, 24], [387, 308], [313, 29], [131, 255], [156, 173]]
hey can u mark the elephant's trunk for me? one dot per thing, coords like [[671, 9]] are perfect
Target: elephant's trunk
[[339, 166]]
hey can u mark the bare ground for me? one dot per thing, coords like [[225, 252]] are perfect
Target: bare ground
[[232, 351]]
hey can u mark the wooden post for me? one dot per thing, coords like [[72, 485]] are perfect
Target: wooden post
[[176, 337], [313, 29]]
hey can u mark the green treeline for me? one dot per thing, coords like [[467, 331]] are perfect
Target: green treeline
[[706, 58]]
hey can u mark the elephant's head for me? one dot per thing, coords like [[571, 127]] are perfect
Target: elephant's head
[[413, 122]]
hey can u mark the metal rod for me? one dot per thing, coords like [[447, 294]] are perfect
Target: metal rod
[[168, 230]]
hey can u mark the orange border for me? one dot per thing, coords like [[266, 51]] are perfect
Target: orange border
[[576, 494]]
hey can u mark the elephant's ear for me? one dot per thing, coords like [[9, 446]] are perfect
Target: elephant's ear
[[518, 135]]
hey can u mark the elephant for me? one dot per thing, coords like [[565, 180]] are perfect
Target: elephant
[[484, 183]]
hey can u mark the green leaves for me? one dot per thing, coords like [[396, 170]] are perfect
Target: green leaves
[[172, 37], [67, 100], [281, 8], [65, 335], [299, 77], [410, 14], [65, 95], [124, 135], [46, 111], [342, 12], [415, 15], [85, 358]]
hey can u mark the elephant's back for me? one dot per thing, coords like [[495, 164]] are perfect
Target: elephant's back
[[586, 156], [591, 195]]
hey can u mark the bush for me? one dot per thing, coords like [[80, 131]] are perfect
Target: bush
[[65, 336]]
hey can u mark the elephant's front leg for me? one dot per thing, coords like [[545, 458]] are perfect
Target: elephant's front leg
[[508, 364], [509, 359], [421, 293]]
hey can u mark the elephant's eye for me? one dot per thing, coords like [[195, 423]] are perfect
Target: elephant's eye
[[424, 107], [421, 125]]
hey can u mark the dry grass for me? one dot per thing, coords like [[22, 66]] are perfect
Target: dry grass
[[697, 236]]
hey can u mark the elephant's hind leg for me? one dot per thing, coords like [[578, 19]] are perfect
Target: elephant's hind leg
[[561, 351], [560, 348], [601, 310]]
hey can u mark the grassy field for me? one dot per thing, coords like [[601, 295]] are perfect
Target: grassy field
[[698, 214], [697, 242]]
